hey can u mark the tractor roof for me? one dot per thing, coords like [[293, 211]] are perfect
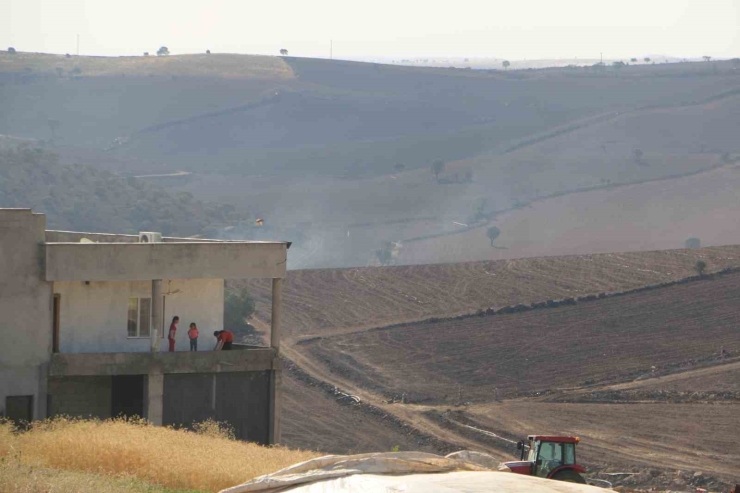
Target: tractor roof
[[550, 438]]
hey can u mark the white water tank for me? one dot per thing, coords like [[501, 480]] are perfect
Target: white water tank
[[150, 237]]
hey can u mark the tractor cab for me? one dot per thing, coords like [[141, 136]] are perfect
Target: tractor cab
[[549, 457]]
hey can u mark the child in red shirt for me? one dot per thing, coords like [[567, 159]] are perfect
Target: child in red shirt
[[193, 336]]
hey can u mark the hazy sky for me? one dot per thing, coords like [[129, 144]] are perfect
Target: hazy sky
[[514, 29]]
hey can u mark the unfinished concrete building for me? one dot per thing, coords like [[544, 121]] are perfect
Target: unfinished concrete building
[[83, 317]]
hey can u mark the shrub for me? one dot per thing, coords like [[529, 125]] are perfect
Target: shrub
[[700, 267], [693, 242], [162, 51], [11, 50]]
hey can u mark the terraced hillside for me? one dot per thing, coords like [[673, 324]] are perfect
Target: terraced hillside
[[327, 301]]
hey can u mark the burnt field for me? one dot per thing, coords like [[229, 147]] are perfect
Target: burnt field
[[591, 343]]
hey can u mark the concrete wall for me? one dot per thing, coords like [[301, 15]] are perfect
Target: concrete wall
[[82, 397], [93, 317], [146, 261], [25, 308]]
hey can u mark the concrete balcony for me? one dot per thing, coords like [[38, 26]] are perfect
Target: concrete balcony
[[144, 363]]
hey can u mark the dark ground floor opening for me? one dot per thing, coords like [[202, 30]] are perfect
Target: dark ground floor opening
[[243, 400]]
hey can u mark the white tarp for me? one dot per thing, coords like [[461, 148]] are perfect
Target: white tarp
[[409, 472]]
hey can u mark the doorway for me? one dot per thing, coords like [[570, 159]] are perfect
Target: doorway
[[127, 396], [19, 409]]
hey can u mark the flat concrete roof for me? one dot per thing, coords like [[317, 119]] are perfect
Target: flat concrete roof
[[175, 260]]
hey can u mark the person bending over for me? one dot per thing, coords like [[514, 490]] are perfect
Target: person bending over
[[224, 340]]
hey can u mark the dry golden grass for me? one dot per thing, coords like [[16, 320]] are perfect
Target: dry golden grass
[[16, 477], [216, 65], [205, 461]]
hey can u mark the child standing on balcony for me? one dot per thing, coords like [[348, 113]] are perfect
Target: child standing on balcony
[[193, 335], [172, 332]]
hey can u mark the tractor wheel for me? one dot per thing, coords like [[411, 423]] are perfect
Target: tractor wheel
[[569, 476]]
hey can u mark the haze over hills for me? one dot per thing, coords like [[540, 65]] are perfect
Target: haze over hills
[[336, 155]]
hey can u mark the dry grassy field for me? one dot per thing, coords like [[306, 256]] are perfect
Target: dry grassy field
[[214, 65], [136, 453], [326, 301]]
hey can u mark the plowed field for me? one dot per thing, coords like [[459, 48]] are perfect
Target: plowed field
[[610, 340], [327, 301]]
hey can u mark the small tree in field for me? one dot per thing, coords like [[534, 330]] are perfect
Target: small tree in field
[[506, 64], [493, 233], [385, 253], [163, 51], [706, 58], [11, 50], [693, 242], [633, 60], [646, 59], [700, 267], [284, 52], [438, 166]]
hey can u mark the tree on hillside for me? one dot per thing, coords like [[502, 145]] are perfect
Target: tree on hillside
[[284, 52], [700, 267], [693, 242], [53, 127], [438, 166], [637, 156], [385, 253], [646, 59], [11, 50], [208, 52], [146, 53], [238, 308], [633, 60], [706, 58], [506, 64], [493, 233], [162, 51], [619, 64]]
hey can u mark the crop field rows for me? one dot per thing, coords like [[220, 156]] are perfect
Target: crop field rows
[[603, 341], [329, 301]]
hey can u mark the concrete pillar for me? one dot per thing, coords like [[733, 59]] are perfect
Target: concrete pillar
[[277, 302], [157, 314], [275, 406], [155, 397]]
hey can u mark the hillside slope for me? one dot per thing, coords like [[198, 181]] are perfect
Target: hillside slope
[[83, 198], [645, 379], [328, 301], [596, 342]]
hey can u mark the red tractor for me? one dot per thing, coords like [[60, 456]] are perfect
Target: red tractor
[[548, 457]]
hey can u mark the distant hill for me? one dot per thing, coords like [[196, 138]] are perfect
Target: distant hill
[[83, 198], [337, 154]]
